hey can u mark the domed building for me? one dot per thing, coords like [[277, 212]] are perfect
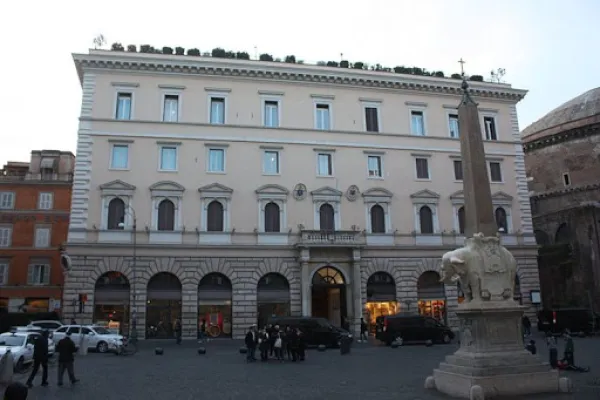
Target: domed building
[[562, 158]]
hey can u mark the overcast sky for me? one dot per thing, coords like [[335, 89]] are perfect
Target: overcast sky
[[549, 47]]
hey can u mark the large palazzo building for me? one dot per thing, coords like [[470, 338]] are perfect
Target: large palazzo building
[[234, 190]]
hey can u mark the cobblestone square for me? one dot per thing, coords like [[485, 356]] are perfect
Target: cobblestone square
[[369, 372]]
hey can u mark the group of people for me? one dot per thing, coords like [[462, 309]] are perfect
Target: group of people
[[568, 360], [275, 342], [66, 350]]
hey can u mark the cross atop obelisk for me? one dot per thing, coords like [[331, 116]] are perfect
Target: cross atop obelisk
[[479, 211]]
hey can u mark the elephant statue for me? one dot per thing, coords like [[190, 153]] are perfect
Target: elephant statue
[[456, 267]]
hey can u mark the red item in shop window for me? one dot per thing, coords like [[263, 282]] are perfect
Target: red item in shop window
[[210, 320]]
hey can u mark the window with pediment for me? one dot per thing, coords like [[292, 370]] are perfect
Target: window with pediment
[[378, 206], [216, 203], [272, 201], [167, 201], [326, 201], [425, 204], [116, 198]]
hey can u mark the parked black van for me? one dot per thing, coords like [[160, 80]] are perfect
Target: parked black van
[[411, 328], [316, 331]]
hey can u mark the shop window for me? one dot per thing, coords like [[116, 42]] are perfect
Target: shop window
[[273, 297], [214, 305]]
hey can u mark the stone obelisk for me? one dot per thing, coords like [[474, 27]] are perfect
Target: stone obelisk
[[491, 360]]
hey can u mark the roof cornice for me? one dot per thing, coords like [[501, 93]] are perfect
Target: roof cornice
[[561, 192], [213, 66], [560, 137]]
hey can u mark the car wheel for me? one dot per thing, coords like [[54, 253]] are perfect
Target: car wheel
[[446, 338], [102, 347], [20, 365]]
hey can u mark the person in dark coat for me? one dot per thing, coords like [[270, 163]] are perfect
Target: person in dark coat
[[177, 329], [301, 345], [288, 342], [526, 325], [16, 391], [250, 341], [264, 344], [40, 358], [66, 350], [531, 347], [293, 343]]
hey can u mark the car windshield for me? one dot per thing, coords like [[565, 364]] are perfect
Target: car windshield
[[101, 331], [12, 340]]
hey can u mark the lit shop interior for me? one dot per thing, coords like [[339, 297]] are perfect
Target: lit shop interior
[[431, 296], [111, 302], [215, 306], [381, 298]]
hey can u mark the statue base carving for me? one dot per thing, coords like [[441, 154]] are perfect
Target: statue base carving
[[492, 360]]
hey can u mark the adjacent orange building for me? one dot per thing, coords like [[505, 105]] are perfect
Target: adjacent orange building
[[35, 203]]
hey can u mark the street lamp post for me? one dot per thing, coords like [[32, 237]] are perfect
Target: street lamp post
[[133, 317]]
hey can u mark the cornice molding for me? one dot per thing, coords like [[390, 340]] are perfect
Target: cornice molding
[[187, 65], [561, 137], [562, 192]]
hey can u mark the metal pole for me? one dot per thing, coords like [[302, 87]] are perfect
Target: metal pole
[[134, 308]]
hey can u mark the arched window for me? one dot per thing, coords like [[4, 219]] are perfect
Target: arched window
[[377, 219], [214, 217], [461, 220], [501, 220], [327, 217], [426, 219], [272, 219], [563, 234], [116, 214], [166, 215]]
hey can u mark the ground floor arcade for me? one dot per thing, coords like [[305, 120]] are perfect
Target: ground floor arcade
[[232, 289]]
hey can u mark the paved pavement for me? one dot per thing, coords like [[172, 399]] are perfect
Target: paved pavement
[[369, 372]]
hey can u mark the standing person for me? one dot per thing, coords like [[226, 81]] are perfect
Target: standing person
[[66, 350], [552, 349], [278, 346], [250, 341], [293, 343], [263, 344], [203, 330], [16, 391], [526, 325], [288, 342], [569, 356], [301, 345], [177, 329], [40, 358], [363, 330]]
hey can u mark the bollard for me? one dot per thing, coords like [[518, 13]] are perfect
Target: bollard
[[7, 368], [201, 350], [321, 348], [158, 351], [243, 350]]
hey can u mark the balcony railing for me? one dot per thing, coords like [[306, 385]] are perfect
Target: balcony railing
[[37, 177], [340, 238]]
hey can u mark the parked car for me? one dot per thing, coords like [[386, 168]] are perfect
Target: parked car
[[50, 325], [576, 320], [20, 345], [404, 328], [34, 329], [98, 337], [316, 331]]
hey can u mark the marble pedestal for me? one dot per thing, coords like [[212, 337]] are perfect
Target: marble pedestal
[[491, 360]]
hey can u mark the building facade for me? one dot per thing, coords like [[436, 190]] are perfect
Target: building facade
[[233, 190], [562, 156], [35, 202]]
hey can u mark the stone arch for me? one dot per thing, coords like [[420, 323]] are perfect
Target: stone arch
[[158, 265], [379, 265], [211, 265], [341, 271], [563, 234], [108, 264], [427, 264], [274, 266]]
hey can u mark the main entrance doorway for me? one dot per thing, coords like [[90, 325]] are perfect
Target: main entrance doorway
[[329, 295]]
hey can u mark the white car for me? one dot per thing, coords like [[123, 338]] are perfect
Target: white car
[[20, 345], [35, 329], [50, 325], [98, 337]]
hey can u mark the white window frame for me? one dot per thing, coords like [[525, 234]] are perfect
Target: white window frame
[[39, 264], [106, 199], [45, 201], [455, 207], [4, 271], [163, 97], [417, 204], [218, 95], [210, 148], [329, 104], [568, 177], [122, 90], [421, 109], [494, 118], [499, 162], [6, 231], [509, 221], [449, 115], [428, 159], [281, 201], [386, 205], [112, 149], [377, 106], [43, 237], [266, 150], [336, 213], [225, 200], [177, 199], [161, 146], [379, 155], [331, 155], [11, 204], [263, 102]]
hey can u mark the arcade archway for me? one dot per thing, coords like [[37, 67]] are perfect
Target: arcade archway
[[381, 297], [273, 297], [329, 295], [163, 306], [111, 302], [214, 304], [431, 295]]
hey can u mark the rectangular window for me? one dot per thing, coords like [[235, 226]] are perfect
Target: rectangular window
[[171, 108], [495, 172], [271, 113], [119, 156], [422, 166], [417, 123], [453, 126], [566, 179], [323, 117], [3, 272], [489, 124], [7, 200], [123, 111], [374, 166], [38, 274], [271, 162], [458, 173], [372, 119], [216, 160], [5, 236], [168, 158], [324, 164], [46, 201], [217, 110], [42, 237]]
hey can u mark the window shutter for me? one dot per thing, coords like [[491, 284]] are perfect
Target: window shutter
[[30, 276], [46, 280]]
